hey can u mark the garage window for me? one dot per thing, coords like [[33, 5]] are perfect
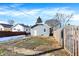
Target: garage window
[[44, 30], [14, 28]]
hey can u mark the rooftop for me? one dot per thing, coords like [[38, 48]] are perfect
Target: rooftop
[[6, 25]]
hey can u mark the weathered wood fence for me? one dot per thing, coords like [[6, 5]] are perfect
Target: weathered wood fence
[[69, 39]]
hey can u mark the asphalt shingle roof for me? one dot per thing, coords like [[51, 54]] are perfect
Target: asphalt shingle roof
[[24, 25], [36, 25], [6, 25], [52, 22]]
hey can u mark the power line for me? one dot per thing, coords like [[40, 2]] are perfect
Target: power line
[[19, 10]]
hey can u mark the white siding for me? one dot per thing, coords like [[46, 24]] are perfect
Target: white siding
[[1, 28], [18, 28], [39, 30]]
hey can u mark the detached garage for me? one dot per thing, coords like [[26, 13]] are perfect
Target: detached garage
[[40, 30]]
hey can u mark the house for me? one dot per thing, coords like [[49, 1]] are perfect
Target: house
[[21, 28], [40, 29], [54, 25], [5, 27]]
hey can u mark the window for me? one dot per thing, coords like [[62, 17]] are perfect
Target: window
[[44, 30], [26, 29], [14, 28]]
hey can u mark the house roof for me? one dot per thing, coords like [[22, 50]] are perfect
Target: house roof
[[52, 22], [6, 25], [39, 20], [36, 25], [22, 25]]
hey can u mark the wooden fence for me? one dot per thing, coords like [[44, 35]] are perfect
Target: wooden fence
[[68, 39], [57, 35], [9, 33], [71, 40]]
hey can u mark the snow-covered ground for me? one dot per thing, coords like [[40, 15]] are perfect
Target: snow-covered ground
[[12, 37]]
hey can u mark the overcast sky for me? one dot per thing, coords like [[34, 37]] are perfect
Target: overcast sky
[[28, 13]]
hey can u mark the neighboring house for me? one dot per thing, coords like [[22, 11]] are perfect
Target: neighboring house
[[40, 30], [54, 25], [5, 27], [21, 28]]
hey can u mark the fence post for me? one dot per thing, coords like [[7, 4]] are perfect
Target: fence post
[[77, 47], [64, 37], [74, 48]]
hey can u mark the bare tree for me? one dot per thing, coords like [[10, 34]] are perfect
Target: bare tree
[[63, 18], [11, 22]]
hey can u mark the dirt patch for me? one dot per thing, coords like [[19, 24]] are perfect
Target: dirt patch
[[43, 48], [25, 51], [61, 52]]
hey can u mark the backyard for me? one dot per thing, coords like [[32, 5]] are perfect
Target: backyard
[[31, 45]]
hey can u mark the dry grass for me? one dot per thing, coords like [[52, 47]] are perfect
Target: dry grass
[[33, 42], [36, 44], [4, 52]]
